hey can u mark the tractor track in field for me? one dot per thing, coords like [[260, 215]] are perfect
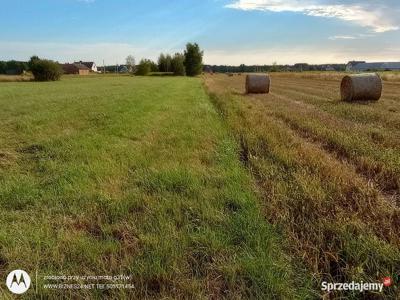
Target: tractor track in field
[[333, 118], [327, 92], [388, 192], [388, 187]]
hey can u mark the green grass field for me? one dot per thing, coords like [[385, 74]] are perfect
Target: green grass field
[[134, 176]]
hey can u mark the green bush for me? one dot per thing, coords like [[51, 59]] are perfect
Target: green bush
[[144, 67], [46, 70]]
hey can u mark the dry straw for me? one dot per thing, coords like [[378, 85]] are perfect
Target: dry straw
[[258, 84], [361, 87]]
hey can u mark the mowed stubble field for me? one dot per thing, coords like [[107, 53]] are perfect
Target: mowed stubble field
[[328, 172]]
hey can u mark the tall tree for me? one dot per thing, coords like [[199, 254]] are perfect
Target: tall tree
[[161, 62], [177, 64], [130, 63], [164, 62], [153, 66], [168, 61], [193, 59]]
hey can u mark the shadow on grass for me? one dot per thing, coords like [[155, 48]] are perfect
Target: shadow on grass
[[162, 74]]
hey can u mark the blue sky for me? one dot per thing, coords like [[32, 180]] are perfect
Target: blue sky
[[229, 31]]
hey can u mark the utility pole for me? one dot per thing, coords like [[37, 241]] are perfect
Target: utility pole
[[104, 67]]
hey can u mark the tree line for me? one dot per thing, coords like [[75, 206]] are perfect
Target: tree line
[[189, 63], [41, 69], [273, 68], [13, 67]]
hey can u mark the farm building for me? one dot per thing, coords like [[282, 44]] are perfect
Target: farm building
[[90, 64], [351, 64], [76, 68], [376, 66]]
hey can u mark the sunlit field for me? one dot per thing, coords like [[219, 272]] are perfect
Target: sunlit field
[[195, 190], [327, 172]]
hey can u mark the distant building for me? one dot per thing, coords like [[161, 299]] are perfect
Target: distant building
[[351, 64], [75, 68], [375, 66], [91, 65], [329, 68], [123, 69]]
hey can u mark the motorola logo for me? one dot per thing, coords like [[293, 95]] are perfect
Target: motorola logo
[[18, 281]]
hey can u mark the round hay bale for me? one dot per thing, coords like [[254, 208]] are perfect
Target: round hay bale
[[361, 87], [257, 84]]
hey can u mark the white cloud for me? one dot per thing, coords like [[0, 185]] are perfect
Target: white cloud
[[351, 37], [375, 18], [307, 54], [343, 37]]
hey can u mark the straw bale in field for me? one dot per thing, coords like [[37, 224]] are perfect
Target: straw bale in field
[[361, 87], [257, 83]]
